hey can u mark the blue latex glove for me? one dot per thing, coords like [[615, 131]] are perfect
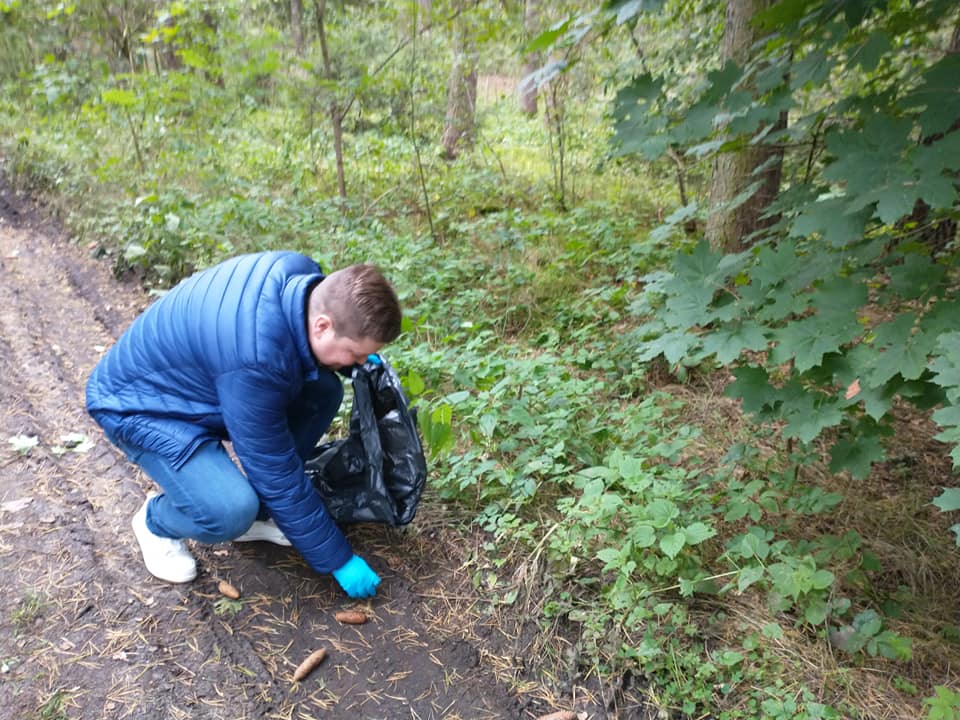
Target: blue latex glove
[[356, 578]]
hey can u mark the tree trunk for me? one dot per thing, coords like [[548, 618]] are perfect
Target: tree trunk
[[171, 61], [528, 90], [335, 116], [296, 25], [728, 228], [425, 14], [461, 89]]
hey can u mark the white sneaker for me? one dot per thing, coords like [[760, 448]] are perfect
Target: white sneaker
[[265, 530], [165, 558]]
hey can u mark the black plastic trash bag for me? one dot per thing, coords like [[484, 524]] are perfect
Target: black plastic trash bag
[[377, 473]]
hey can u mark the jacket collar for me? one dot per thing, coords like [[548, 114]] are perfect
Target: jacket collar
[[294, 301]]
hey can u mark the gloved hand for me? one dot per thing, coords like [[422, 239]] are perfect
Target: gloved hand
[[356, 578]]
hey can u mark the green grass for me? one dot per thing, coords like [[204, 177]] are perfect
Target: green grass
[[31, 606], [53, 708]]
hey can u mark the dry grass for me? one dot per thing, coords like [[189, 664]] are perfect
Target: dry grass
[[892, 512]]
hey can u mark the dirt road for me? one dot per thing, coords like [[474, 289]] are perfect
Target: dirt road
[[86, 632]]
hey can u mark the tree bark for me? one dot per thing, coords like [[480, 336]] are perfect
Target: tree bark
[[528, 90], [728, 228], [461, 89], [336, 117], [296, 25], [424, 16]]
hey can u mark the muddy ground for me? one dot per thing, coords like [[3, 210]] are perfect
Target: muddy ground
[[86, 632]]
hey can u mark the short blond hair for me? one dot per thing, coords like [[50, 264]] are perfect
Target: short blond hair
[[360, 302]]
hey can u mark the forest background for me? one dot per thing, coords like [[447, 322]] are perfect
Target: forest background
[[680, 283]]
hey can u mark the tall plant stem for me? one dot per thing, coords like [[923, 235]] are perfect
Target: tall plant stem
[[413, 130]]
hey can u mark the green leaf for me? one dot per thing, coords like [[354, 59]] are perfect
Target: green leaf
[[661, 512], [867, 623], [808, 413], [752, 386], [546, 39], [488, 424], [900, 350], [937, 191], [815, 612], [831, 219], [672, 544], [752, 545], [808, 340], [856, 456], [699, 265], [643, 536], [123, 98], [637, 128], [772, 630], [916, 277], [948, 500], [785, 12], [670, 223], [941, 318], [949, 419], [437, 429], [869, 55], [730, 658], [610, 557], [689, 303], [697, 124], [729, 341], [674, 346], [946, 367], [775, 264], [193, 59], [748, 576], [414, 384], [134, 251], [838, 298], [821, 579], [697, 533], [940, 95], [944, 705], [855, 11], [893, 202], [812, 70]]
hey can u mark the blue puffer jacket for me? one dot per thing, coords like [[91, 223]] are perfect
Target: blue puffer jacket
[[222, 355]]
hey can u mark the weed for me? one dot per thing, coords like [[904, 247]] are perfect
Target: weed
[[53, 708], [29, 609], [944, 705], [228, 607]]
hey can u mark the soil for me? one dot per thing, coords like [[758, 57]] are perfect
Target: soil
[[87, 632]]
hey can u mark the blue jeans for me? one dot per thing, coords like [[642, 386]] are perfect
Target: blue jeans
[[209, 499]]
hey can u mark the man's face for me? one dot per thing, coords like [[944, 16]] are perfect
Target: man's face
[[338, 351]]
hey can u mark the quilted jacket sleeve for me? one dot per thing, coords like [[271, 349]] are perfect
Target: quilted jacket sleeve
[[254, 404]]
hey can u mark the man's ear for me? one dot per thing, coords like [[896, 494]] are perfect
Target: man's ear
[[321, 323]]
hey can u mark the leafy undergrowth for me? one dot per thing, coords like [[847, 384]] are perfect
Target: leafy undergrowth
[[665, 546], [879, 640]]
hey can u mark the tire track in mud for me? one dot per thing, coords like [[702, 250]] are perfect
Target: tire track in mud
[[65, 548], [82, 624]]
